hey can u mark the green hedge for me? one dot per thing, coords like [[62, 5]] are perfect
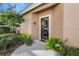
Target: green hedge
[[12, 38], [71, 51], [6, 39], [9, 40], [4, 30]]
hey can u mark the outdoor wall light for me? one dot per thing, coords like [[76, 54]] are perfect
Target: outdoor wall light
[[34, 23]]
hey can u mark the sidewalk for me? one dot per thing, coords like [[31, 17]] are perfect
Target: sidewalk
[[25, 50]]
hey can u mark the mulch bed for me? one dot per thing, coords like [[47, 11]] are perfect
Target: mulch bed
[[10, 48]]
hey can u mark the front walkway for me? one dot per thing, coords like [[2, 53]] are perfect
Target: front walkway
[[25, 50]]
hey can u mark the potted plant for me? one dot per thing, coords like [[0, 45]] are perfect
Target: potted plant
[[56, 45]]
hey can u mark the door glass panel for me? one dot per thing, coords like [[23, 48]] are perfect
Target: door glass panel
[[44, 27]]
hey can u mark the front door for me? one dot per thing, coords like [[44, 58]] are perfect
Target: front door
[[44, 28]]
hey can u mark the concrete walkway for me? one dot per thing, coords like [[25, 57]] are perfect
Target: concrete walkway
[[25, 50]]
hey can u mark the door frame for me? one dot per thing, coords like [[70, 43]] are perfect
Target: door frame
[[49, 25]]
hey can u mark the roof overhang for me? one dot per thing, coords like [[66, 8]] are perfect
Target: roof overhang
[[34, 5]]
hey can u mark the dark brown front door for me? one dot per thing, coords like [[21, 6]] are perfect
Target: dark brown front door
[[44, 28]]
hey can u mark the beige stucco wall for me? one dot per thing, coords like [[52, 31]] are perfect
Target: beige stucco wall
[[64, 22], [26, 25], [40, 11], [56, 20], [71, 23], [35, 25], [47, 12]]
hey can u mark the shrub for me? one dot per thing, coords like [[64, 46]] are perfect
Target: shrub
[[4, 30], [27, 39], [8, 42], [6, 39], [56, 44], [71, 51]]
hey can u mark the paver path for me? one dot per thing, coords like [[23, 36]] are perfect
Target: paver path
[[25, 50]]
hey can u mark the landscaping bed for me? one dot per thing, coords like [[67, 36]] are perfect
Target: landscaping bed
[[71, 51], [59, 46], [8, 43], [10, 49], [11, 41]]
